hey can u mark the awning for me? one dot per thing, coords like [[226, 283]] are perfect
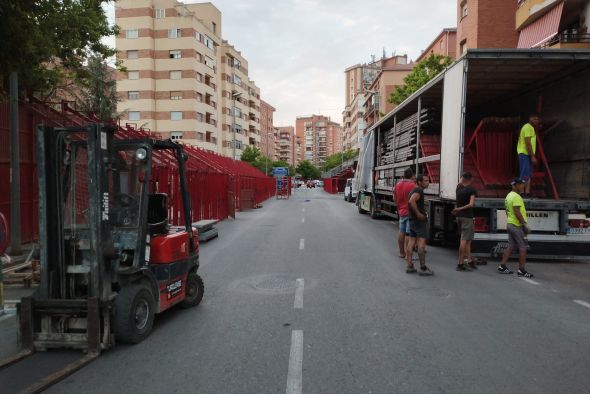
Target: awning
[[541, 30]]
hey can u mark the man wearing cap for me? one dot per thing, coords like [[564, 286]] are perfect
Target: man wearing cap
[[517, 229], [526, 149], [465, 197]]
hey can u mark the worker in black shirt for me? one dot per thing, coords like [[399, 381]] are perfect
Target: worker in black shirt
[[465, 197], [418, 228]]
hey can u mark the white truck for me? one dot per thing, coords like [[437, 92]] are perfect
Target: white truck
[[468, 118]]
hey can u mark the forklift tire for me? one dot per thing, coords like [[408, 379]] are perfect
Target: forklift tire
[[361, 211], [134, 312], [194, 290]]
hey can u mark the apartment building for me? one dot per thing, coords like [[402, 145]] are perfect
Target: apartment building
[[240, 99], [445, 44], [334, 139], [287, 144], [267, 130], [175, 59], [313, 131], [553, 24], [486, 24]]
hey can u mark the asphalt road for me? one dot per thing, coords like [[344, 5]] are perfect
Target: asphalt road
[[306, 295]]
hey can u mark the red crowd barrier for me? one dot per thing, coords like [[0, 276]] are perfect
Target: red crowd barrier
[[218, 185]]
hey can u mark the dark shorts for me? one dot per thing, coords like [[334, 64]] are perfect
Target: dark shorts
[[526, 167], [418, 229], [466, 228], [516, 237]]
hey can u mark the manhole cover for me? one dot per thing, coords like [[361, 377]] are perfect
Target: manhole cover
[[276, 284]]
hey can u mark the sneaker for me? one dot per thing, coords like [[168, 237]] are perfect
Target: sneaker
[[480, 261], [463, 267], [471, 265], [425, 271], [504, 270], [410, 270], [524, 273]]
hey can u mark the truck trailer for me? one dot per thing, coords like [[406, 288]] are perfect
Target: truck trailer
[[468, 118]]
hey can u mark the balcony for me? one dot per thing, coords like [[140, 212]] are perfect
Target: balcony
[[529, 11], [569, 40]]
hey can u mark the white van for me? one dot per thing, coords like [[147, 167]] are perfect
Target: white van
[[350, 191]]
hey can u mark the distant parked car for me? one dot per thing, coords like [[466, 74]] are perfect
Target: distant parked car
[[349, 191], [319, 183], [310, 184]]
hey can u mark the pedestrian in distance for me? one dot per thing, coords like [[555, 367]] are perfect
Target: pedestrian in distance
[[401, 192], [465, 197], [418, 223], [517, 229], [526, 149]]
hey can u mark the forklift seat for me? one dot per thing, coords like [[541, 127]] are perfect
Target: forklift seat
[[157, 218]]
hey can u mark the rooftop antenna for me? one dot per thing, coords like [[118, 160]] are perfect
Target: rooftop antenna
[[384, 54]]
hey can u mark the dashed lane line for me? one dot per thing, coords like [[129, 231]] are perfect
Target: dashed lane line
[[295, 374], [583, 303], [532, 282], [302, 220], [298, 304], [301, 244]]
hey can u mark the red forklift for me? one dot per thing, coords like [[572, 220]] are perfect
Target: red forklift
[[110, 260]]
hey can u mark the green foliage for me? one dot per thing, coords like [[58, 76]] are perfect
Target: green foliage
[[46, 41], [420, 75], [250, 154], [98, 94], [336, 159], [307, 170]]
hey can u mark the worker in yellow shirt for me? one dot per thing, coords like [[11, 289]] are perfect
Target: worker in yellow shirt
[[516, 226], [526, 148]]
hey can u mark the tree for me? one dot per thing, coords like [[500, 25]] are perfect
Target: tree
[[308, 170], [336, 159], [46, 41], [420, 75], [98, 94], [250, 154]]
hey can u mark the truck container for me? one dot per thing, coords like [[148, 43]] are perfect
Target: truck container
[[468, 118]]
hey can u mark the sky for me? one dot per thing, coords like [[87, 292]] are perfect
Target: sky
[[297, 50]]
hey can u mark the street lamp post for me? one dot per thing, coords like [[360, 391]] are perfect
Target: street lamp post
[[234, 96]]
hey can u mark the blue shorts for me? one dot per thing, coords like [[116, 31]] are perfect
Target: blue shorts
[[418, 229], [526, 167], [404, 224]]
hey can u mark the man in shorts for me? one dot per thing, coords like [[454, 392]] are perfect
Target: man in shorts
[[401, 193], [526, 149], [465, 197], [418, 223], [517, 229]]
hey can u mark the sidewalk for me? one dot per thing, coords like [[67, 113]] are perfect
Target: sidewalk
[[8, 325]]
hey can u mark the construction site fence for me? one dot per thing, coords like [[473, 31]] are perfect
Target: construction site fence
[[218, 185]]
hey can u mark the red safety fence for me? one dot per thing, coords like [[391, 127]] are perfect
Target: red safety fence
[[218, 185], [337, 183]]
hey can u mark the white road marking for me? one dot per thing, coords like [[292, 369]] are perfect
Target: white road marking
[[302, 220], [295, 375], [532, 282], [301, 244], [583, 303], [299, 294], [302, 209]]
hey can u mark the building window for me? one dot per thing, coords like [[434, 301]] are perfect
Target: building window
[[464, 10], [133, 95], [199, 97], [199, 77], [133, 74], [134, 115], [174, 33], [209, 62], [176, 135], [236, 112], [198, 36], [131, 33], [209, 43], [134, 54], [200, 117], [176, 74], [236, 63], [463, 47], [237, 80], [176, 115], [200, 136], [176, 54], [199, 57], [160, 13], [175, 95], [214, 25]]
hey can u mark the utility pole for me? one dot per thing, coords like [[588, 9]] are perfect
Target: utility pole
[[15, 239], [234, 96]]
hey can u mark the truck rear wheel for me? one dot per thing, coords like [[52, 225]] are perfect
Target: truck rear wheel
[[134, 312], [195, 288], [374, 213]]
